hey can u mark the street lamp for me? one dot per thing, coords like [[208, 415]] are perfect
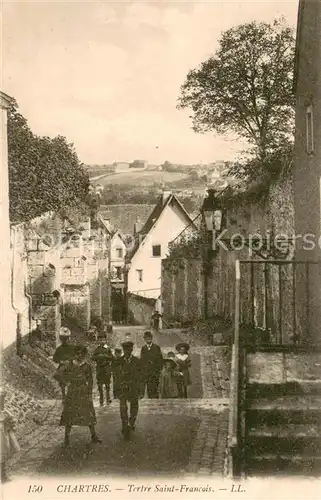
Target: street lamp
[[213, 216], [217, 219], [213, 222]]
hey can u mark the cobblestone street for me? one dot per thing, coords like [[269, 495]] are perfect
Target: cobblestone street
[[173, 437]]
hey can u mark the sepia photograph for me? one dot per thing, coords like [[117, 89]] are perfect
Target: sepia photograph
[[160, 248]]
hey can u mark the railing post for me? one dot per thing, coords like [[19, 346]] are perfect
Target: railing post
[[237, 302], [266, 313], [234, 444], [294, 268], [280, 306], [307, 288], [252, 295]]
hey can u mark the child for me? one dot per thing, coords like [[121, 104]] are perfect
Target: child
[[184, 362], [167, 383], [92, 334], [103, 358], [116, 372]]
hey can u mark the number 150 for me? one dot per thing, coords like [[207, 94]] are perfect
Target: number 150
[[35, 489]]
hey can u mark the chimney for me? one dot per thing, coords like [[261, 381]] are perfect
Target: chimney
[[165, 195], [137, 226]]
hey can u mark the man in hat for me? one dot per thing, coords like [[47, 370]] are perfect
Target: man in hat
[[129, 387], [152, 363], [63, 355]]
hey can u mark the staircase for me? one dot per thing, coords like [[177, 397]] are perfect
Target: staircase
[[275, 393], [281, 412]]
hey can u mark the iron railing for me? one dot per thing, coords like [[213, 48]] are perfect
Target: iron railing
[[275, 299], [272, 297]]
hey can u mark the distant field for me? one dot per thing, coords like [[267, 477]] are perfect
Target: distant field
[[143, 178]]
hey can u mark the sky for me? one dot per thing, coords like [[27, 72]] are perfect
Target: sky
[[107, 74]]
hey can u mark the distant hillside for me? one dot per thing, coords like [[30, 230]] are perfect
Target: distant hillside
[[97, 170], [142, 178]]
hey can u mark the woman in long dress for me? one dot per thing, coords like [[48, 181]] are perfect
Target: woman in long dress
[[184, 363], [78, 408]]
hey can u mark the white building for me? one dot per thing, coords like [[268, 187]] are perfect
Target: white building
[[117, 258], [117, 252], [165, 223], [121, 166]]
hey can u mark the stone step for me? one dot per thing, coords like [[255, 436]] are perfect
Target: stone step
[[173, 404], [301, 439], [291, 431], [257, 390], [283, 464], [50, 413], [285, 403], [283, 410]]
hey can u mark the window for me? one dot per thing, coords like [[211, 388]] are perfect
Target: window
[[156, 251], [309, 130], [118, 272], [139, 274], [119, 253]]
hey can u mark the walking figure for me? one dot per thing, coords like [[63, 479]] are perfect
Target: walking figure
[[152, 363], [78, 408], [62, 357], [116, 372], [155, 320], [184, 363], [168, 379], [110, 328], [129, 388], [103, 358]]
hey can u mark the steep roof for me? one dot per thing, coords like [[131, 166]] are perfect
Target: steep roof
[[123, 217], [155, 215]]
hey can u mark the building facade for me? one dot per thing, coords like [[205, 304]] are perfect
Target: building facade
[[121, 166], [165, 223], [307, 166], [8, 317], [117, 260]]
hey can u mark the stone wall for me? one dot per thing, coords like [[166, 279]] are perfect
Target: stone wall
[[46, 258], [76, 305], [140, 308], [193, 289], [183, 290], [27, 380]]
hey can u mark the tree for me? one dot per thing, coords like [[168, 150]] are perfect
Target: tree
[[44, 174], [166, 166], [246, 87]]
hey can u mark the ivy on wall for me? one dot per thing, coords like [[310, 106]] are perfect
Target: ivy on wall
[[187, 246]]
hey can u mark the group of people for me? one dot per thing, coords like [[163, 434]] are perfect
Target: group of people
[[162, 376]]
